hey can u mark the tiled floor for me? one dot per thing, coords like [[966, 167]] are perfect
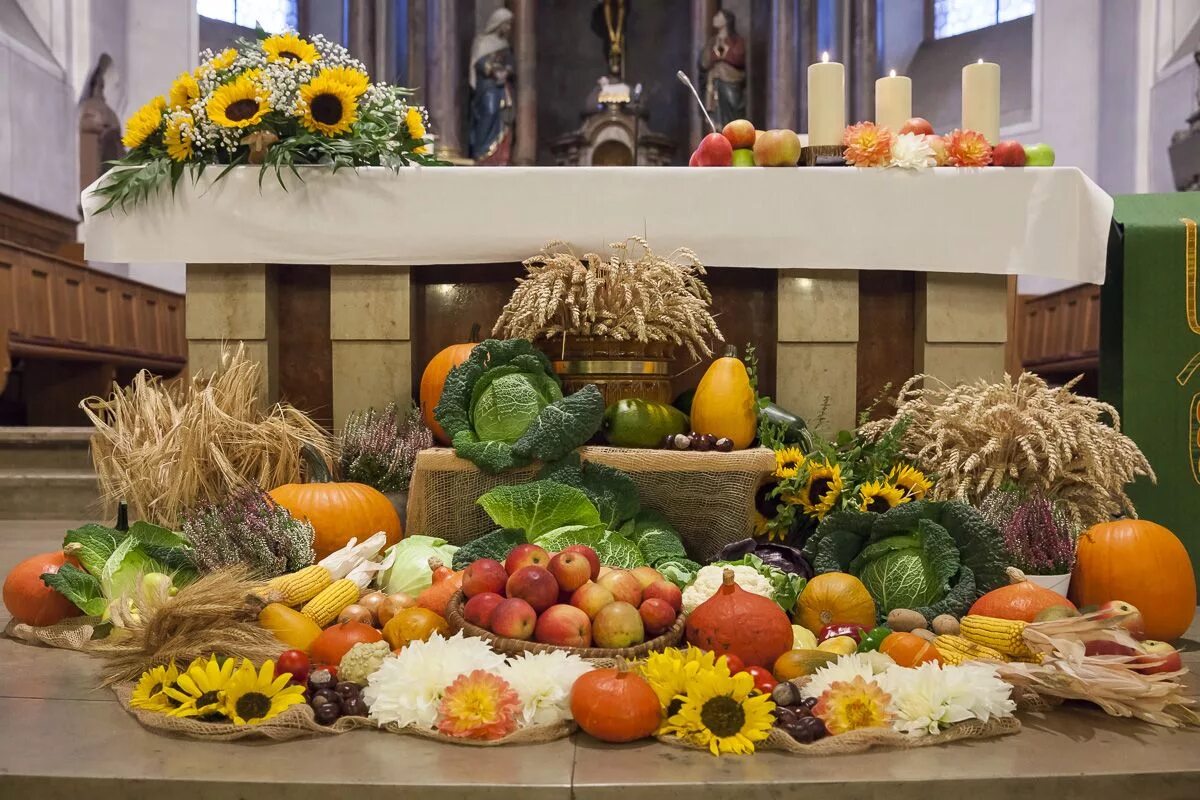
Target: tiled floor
[[60, 739]]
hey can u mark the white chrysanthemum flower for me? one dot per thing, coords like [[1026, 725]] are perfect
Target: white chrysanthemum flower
[[911, 151], [930, 698], [847, 668], [407, 689], [543, 681]]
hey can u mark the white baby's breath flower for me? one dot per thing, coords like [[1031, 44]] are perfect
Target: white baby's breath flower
[[543, 681], [911, 151]]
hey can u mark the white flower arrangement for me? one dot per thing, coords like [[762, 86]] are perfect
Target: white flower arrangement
[[912, 151]]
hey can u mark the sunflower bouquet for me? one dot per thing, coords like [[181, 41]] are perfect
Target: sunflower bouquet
[[280, 101], [217, 690]]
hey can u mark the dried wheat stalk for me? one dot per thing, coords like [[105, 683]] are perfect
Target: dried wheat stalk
[[649, 298], [166, 449], [979, 436]]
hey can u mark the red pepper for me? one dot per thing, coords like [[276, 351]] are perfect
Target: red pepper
[[851, 629], [764, 681]]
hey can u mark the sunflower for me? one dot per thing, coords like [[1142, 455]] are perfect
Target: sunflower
[[237, 104], [878, 497], [353, 79], [719, 713], [144, 123], [911, 480], [176, 138], [183, 91], [415, 122], [766, 509], [222, 60], [788, 462], [330, 107], [290, 48], [200, 690], [822, 490], [151, 690], [671, 671], [251, 697]]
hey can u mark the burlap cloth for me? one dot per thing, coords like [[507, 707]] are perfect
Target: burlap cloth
[[708, 497], [70, 634]]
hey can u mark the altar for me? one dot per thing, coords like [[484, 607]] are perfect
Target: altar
[[844, 280]]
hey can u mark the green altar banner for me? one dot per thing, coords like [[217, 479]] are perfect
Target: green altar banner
[[1150, 352]]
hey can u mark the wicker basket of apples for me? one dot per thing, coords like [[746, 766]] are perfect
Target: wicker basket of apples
[[534, 603]]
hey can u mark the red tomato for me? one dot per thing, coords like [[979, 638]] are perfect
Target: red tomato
[[764, 681], [295, 662], [734, 663]]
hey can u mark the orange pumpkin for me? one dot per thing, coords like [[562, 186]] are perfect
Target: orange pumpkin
[[835, 597], [615, 704], [338, 511], [32, 602], [433, 380], [908, 649], [1141, 563], [1022, 599], [414, 624], [752, 627], [336, 640]]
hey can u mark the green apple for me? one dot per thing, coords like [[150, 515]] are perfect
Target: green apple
[[743, 157], [1039, 155]]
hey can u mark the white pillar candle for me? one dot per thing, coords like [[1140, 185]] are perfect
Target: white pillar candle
[[826, 102], [893, 101], [981, 99]]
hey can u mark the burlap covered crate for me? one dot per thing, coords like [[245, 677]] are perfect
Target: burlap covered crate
[[708, 497]]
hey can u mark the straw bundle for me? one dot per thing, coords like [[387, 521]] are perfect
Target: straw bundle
[[166, 449]]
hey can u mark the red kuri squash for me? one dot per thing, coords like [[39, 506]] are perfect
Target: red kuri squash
[[32, 602], [1141, 563], [615, 704], [1022, 599], [433, 380], [753, 628]]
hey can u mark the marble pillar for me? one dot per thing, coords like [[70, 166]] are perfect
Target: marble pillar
[[961, 326], [783, 67], [525, 55], [445, 77], [864, 59], [702, 13]]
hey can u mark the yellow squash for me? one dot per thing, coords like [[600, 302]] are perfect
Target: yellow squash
[[724, 404]]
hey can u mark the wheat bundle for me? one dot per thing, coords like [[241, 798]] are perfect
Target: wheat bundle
[[647, 298], [980, 436], [217, 613], [165, 449]]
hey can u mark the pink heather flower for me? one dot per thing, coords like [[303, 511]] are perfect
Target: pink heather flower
[[968, 149], [867, 145]]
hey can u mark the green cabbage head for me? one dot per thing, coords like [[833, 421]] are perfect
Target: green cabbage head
[[506, 401]]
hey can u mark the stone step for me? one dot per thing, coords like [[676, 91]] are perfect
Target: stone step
[[48, 494], [28, 448]]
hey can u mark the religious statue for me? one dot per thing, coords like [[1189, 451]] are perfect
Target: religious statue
[[99, 127], [723, 66], [609, 23], [491, 78]]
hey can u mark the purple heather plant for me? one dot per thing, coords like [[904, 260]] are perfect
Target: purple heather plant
[[248, 528], [379, 449], [1038, 537]]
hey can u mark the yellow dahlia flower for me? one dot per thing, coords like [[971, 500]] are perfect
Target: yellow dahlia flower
[[290, 48], [330, 107], [237, 104], [144, 123]]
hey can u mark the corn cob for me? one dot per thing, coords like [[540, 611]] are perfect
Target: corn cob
[[1005, 635], [324, 608], [955, 650], [301, 586]]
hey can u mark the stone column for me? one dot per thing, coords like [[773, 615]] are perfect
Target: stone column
[[228, 304], [961, 326], [702, 13], [525, 55], [360, 33], [783, 51], [445, 78], [864, 59], [809, 51], [369, 310], [817, 353]]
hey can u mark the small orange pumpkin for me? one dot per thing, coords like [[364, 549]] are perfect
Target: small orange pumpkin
[[30, 600], [446, 582], [1141, 563], [615, 704], [1022, 599], [338, 511], [835, 597], [433, 380], [908, 649]]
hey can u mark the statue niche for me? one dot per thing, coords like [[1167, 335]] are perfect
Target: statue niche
[[490, 138]]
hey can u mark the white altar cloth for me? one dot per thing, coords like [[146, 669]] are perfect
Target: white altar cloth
[[1051, 222]]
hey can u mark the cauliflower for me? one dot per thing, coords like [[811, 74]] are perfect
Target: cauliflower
[[709, 578], [362, 660]]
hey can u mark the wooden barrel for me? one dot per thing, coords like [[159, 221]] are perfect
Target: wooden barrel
[[618, 369]]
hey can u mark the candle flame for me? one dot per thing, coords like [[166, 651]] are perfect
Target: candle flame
[[825, 56], [980, 61], [892, 74]]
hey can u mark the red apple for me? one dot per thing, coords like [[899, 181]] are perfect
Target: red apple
[[525, 555], [1158, 657], [590, 598], [479, 609], [657, 615], [514, 619], [1103, 647], [564, 625], [1128, 616], [1008, 154], [777, 148], [624, 586], [534, 585], [694, 161], [618, 625], [646, 575], [571, 570], [589, 554], [666, 591], [938, 145], [740, 133], [484, 575], [917, 125], [714, 151]]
